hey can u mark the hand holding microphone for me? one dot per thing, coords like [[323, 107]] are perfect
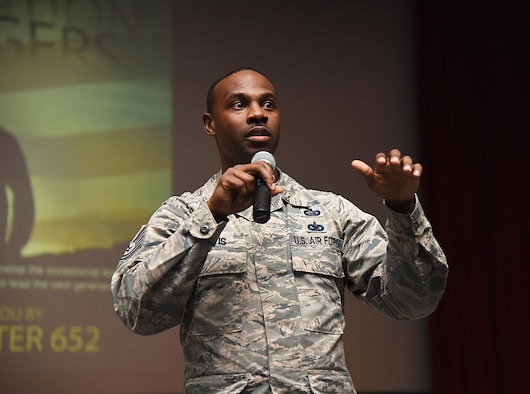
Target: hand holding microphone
[[262, 195], [244, 185]]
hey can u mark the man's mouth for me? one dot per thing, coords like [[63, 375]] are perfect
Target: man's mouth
[[258, 134]]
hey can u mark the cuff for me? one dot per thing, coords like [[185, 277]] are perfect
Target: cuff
[[203, 225], [414, 221]]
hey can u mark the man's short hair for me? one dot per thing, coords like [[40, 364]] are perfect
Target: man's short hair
[[210, 96]]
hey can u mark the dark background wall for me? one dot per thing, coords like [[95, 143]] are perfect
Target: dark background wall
[[474, 106]]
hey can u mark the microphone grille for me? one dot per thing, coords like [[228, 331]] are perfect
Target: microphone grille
[[265, 156]]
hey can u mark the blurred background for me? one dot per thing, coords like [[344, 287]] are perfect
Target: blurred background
[[100, 121]]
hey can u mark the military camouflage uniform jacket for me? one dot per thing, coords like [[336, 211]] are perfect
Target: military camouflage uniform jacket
[[261, 305]]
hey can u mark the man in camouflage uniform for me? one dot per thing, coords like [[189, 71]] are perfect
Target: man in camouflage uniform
[[261, 305]]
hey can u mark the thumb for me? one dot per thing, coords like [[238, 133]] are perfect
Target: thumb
[[363, 168]]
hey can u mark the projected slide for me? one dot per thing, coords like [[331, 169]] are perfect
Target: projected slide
[[85, 112]]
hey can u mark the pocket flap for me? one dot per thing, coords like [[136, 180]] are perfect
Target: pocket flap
[[217, 384], [324, 263], [331, 382], [221, 262]]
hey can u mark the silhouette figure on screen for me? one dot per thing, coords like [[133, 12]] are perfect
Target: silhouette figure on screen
[[16, 199], [260, 302]]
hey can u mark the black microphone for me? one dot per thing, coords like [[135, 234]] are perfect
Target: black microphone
[[262, 195]]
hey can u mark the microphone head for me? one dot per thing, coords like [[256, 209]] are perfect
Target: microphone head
[[265, 156]]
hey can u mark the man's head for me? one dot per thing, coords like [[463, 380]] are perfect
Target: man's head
[[243, 116]]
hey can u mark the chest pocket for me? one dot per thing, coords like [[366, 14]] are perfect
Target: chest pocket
[[217, 305], [320, 285]]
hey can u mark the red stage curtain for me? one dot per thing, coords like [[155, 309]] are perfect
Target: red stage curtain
[[474, 106]]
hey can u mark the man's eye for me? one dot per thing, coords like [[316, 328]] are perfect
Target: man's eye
[[268, 105], [238, 105]]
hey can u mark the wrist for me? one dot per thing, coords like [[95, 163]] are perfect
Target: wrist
[[401, 206], [219, 217]]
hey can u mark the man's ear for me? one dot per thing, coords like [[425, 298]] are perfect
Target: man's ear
[[208, 123]]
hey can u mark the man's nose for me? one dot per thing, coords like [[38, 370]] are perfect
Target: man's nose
[[257, 114]]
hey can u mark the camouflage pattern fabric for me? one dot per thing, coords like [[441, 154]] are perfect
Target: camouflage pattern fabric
[[260, 306]]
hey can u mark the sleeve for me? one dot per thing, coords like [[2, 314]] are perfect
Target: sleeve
[[156, 275], [401, 270]]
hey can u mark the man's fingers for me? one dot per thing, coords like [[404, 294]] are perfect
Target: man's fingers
[[363, 168], [417, 169], [394, 156]]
